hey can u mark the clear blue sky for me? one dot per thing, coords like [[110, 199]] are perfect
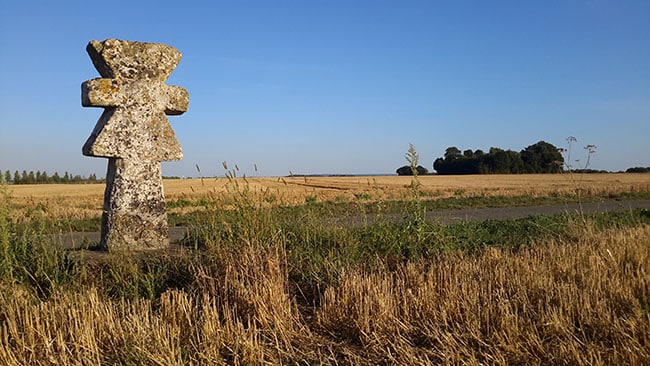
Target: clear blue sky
[[339, 86]]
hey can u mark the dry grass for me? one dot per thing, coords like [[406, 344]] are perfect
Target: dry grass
[[85, 201], [582, 301], [579, 303]]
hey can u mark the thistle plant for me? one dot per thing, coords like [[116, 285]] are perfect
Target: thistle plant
[[418, 211], [412, 157]]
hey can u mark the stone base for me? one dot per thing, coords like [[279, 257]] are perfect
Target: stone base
[[134, 215]]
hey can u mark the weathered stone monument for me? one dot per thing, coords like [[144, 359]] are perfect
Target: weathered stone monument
[[135, 135]]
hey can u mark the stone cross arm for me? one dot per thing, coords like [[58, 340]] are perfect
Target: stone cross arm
[[102, 92], [136, 99]]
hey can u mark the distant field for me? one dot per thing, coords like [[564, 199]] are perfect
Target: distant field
[[85, 200]]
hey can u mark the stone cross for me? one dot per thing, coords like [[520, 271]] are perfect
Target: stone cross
[[135, 135]]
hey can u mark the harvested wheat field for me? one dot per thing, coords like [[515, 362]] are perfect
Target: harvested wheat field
[[582, 301], [85, 200], [268, 281]]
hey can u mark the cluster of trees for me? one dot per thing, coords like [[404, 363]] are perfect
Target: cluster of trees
[[638, 169], [44, 178], [407, 170], [541, 157]]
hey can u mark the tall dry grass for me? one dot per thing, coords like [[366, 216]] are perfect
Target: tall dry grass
[[582, 301]]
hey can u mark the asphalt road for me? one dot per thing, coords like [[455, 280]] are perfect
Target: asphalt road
[[79, 240], [503, 213]]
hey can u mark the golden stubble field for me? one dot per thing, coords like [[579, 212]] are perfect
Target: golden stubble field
[[68, 201], [297, 295]]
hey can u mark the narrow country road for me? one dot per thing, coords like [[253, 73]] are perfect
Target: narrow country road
[[503, 213], [79, 239]]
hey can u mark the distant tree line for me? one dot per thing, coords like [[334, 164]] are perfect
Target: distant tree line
[[44, 178], [538, 158], [541, 157], [589, 171]]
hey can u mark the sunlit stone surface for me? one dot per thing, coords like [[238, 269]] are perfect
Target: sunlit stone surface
[[135, 135]]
